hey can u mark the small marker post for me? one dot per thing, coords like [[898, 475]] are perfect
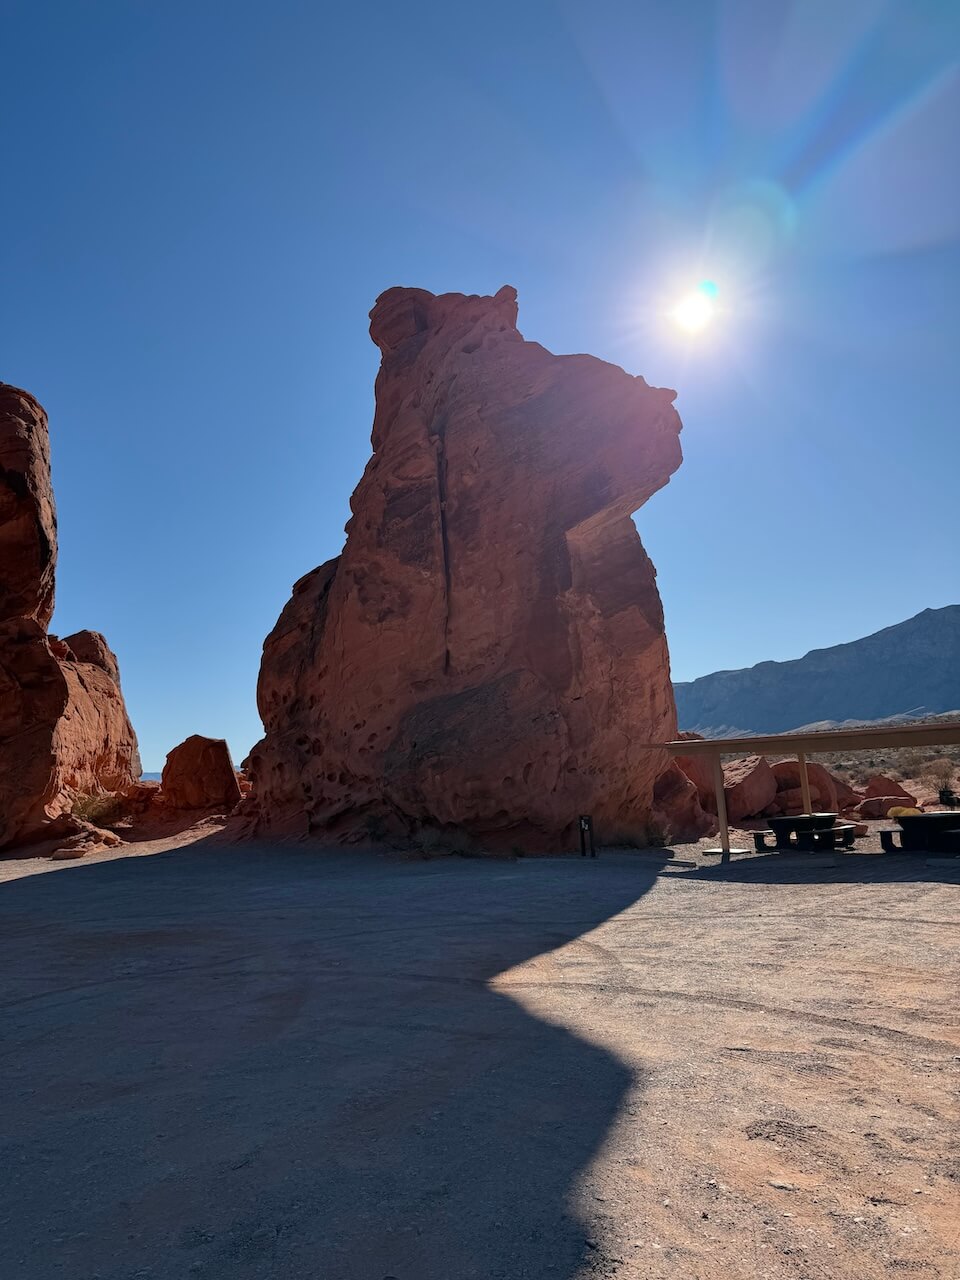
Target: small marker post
[[586, 836]]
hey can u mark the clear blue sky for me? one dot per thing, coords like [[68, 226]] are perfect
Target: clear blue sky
[[201, 201]]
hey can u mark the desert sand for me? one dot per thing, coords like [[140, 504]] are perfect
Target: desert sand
[[263, 1061]]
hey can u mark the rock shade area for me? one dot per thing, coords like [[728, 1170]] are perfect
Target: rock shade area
[[64, 729], [487, 653]]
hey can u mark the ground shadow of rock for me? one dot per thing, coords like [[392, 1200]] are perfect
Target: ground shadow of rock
[[232, 1062]]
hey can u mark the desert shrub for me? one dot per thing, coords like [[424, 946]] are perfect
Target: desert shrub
[[911, 763], [939, 773], [101, 810]]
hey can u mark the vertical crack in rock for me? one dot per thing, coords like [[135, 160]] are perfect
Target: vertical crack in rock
[[526, 702], [444, 541]]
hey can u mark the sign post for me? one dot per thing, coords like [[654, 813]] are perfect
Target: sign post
[[586, 836]]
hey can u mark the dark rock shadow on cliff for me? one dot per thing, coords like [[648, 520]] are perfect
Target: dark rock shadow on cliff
[[246, 1062]]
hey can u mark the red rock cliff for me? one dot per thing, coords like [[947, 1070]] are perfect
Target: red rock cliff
[[488, 651], [64, 729], [28, 517]]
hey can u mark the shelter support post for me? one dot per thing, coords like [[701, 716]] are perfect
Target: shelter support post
[[804, 782], [721, 806]]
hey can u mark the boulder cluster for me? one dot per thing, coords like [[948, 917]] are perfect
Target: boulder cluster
[[198, 777], [754, 788]]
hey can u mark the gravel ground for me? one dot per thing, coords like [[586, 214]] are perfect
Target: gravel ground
[[271, 1062]]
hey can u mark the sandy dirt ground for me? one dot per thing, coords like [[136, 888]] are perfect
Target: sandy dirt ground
[[281, 1062]]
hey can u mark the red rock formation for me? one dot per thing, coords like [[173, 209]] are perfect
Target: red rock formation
[[28, 517], [33, 697], [700, 772], [748, 787], [677, 811], [823, 791], [88, 839], [880, 806], [64, 730], [142, 798], [68, 836], [747, 782], [488, 651], [199, 774], [880, 786], [847, 797], [91, 647]]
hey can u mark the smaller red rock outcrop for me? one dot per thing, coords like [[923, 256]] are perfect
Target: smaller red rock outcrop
[[847, 797], [823, 790], [748, 787], [677, 808], [64, 731], [199, 774], [880, 786], [92, 647], [700, 772], [880, 806], [141, 798], [67, 836], [89, 839]]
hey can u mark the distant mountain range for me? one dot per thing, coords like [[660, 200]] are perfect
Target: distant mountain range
[[908, 670]]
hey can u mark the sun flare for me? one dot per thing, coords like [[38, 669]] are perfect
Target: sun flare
[[696, 309]]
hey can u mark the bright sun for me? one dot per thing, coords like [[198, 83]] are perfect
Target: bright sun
[[696, 309]]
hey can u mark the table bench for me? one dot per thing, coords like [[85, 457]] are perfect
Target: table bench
[[811, 840], [924, 833]]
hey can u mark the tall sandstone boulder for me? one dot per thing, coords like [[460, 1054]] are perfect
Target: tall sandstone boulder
[[488, 651], [199, 774], [64, 729]]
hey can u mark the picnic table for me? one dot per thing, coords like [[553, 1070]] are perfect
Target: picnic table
[[806, 832], [937, 832], [714, 749]]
